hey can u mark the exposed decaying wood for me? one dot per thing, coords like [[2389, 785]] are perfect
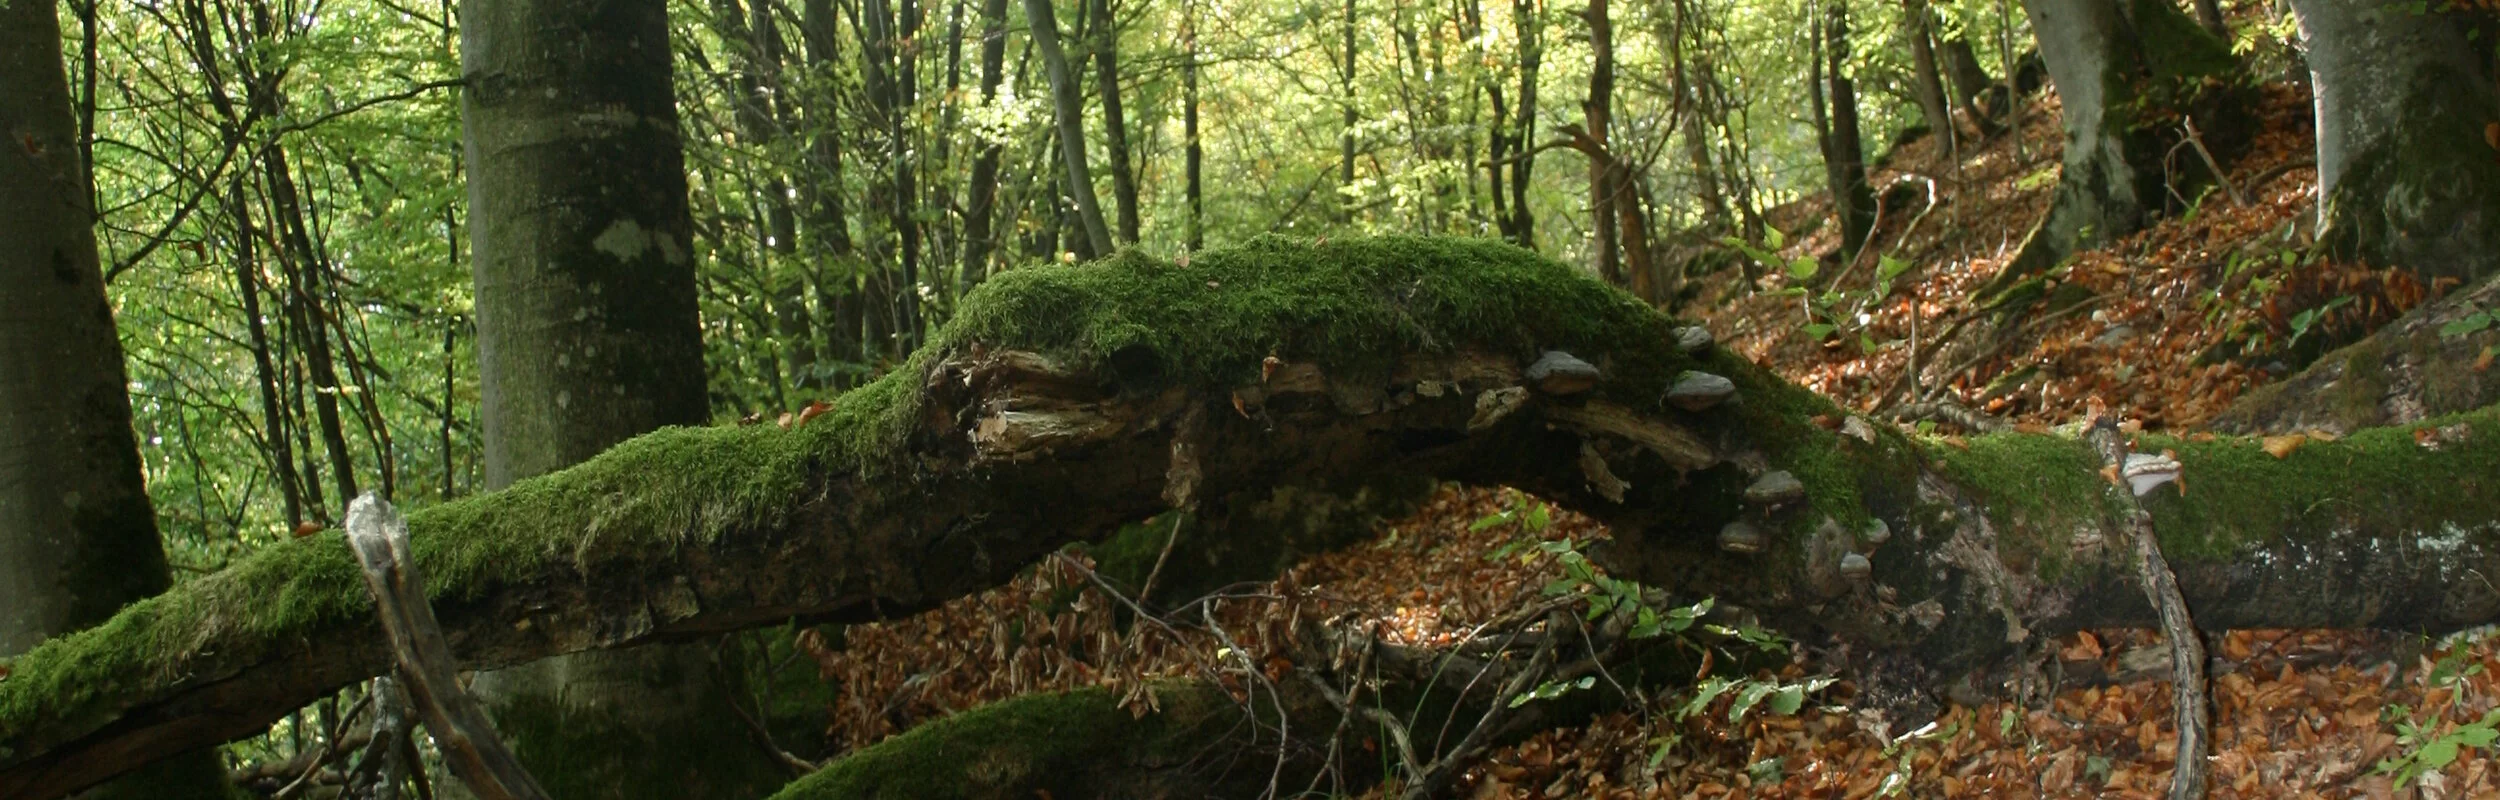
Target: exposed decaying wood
[[470, 747], [1931, 562]]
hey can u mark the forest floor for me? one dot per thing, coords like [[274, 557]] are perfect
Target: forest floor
[[2178, 320]]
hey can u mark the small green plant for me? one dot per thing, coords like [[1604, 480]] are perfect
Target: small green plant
[[2303, 321], [2470, 323], [2427, 744], [2427, 748]]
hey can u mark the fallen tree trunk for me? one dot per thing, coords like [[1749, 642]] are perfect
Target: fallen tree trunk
[[1049, 411], [2403, 373]]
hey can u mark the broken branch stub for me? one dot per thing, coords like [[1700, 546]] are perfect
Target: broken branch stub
[[468, 741]]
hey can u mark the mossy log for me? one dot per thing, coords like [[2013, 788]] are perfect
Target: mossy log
[[2403, 373], [1048, 411]]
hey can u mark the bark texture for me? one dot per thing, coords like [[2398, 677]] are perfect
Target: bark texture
[[2404, 373], [78, 537], [587, 336], [1047, 412], [2409, 171], [2125, 71]]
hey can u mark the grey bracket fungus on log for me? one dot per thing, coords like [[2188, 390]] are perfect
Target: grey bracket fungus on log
[[1693, 339], [1699, 391], [1775, 488], [1857, 568], [1740, 537], [1875, 533], [1562, 374]]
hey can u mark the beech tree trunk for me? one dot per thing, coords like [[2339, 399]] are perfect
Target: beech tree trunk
[[78, 537], [1193, 154], [1047, 412], [2408, 165], [2120, 67], [1598, 111], [1530, 28], [587, 336]]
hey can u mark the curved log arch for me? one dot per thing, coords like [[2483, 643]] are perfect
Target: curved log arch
[[1046, 414]]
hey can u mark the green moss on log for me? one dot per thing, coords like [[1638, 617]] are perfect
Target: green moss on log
[[2378, 479], [1354, 304], [2040, 490], [1350, 305], [1059, 743]]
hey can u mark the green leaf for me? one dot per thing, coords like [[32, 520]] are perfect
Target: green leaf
[[1803, 268], [2468, 324], [1747, 699], [2439, 753], [1772, 236], [1787, 700]]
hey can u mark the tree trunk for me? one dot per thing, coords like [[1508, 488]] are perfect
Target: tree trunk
[[1691, 68], [78, 537], [1917, 24], [1193, 154], [834, 259], [1345, 199], [1025, 427], [1853, 200], [1106, 44], [2406, 154], [2405, 372], [1068, 107], [2209, 15], [980, 240], [1530, 29], [1598, 111], [264, 369], [2121, 68], [586, 336], [1980, 96]]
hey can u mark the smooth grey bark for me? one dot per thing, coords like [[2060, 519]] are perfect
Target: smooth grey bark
[[1068, 109], [2408, 170], [2113, 62], [586, 327], [78, 537]]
